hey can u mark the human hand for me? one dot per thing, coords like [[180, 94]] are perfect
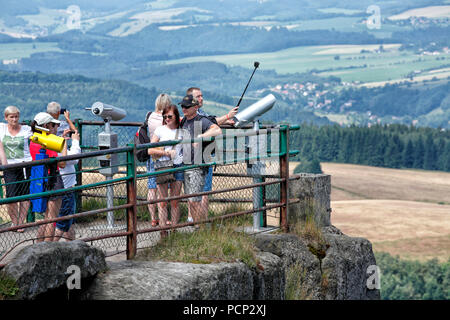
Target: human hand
[[172, 153], [67, 115], [232, 113], [76, 136]]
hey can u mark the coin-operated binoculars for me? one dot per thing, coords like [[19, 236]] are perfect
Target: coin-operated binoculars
[[255, 146], [108, 140]]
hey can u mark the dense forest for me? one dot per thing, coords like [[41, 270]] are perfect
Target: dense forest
[[31, 92], [392, 146], [413, 280]]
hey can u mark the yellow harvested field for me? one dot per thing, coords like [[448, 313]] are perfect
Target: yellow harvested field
[[403, 212], [365, 182], [429, 12], [388, 220]]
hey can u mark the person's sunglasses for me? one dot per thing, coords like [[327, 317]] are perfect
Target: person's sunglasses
[[167, 117], [54, 124], [186, 107]]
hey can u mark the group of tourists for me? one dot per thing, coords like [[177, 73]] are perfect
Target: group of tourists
[[16, 147], [164, 123]]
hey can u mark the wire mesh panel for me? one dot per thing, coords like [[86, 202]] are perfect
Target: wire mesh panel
[[119, 200]]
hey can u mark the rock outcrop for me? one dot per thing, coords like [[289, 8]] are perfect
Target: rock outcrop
[[156, 280], [332, 267], [42, 267]]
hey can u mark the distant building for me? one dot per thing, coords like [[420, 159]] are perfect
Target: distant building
[[11, 61]]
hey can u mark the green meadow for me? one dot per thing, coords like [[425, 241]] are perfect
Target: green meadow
[[345, 61], [10, 51]]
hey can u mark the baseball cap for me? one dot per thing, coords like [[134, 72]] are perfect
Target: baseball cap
[[43, 118], [188, 101]]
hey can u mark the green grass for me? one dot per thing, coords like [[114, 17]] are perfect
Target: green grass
[[8, 287], [210, 244], [10, 51]]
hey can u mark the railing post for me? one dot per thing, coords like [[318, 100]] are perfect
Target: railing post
[[131, 199], [284, 174], [79, 167]]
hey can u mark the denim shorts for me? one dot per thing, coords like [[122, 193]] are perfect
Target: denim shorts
[[67, 208], [208, 180], [151, 184], [179, 175]]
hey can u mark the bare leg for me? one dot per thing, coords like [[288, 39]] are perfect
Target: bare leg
[[151, 195], [12, 212], [175, 190], [196, 210], [52, 211], [162, 206], [23, 211], [205, 206]]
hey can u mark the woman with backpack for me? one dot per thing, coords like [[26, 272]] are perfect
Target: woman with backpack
[[168, 157], [155, 120]]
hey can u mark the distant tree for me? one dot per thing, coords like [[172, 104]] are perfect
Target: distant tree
[[408, 155]]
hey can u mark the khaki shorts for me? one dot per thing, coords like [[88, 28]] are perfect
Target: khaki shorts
[[194, 182]]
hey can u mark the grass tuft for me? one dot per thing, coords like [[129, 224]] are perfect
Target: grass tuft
[[211, 243], [8, 287]]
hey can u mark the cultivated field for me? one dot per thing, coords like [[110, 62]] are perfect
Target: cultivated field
[[429, 12], [403, 212], [352, 65]]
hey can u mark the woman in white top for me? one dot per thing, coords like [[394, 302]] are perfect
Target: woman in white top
[[154, 121], [15, 140], [169, 131]]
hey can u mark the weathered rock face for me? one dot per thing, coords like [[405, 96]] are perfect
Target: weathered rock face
[[314, 191], [155, 280], [345, 265], [340, 274], [43, 266]]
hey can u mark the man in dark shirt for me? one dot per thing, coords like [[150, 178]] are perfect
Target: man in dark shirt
[[225, 119], [195, 126]]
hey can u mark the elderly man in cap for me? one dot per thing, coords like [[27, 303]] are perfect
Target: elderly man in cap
[[195, 126]]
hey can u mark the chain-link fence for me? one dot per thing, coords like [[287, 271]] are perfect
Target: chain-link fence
[[119, 206]]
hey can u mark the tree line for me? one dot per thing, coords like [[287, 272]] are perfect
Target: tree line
[[413, 280], [391, 146]]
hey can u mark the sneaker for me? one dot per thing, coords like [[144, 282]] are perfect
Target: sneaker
[[189, 219]]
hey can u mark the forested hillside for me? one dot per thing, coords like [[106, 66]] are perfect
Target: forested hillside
[[31, 92], [392, 146]]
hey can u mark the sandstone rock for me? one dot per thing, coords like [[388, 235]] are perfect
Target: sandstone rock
[[314, 191], [43, 266], [341, 274], [159, 280]]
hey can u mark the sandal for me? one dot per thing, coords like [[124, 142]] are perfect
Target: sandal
[[155, 222]]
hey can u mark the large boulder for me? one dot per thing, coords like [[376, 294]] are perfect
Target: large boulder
[[42, 267], [156, 280], [336, 271]]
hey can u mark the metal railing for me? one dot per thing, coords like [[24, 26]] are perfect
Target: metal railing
[[244, 183]]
